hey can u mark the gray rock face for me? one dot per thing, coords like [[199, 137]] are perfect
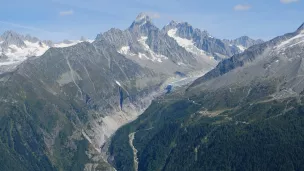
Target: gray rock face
[[48, 43], [202, 40], [280, 58], [12, 38], [142, 25], [220, 49], [185, 30], [245, 42], [31, 39], [300, 28], [144, 40]]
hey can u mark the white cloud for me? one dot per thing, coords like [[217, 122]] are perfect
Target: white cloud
[[153, 14], [288, 1], [241, 7], [64, 13]]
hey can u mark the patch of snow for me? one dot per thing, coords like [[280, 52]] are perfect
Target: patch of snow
[[31, 49], [292, 41], [118, 83], [6, 63], [180, 63], [36, 48], [125, 50], [16, 54], [241, 48], [63, 45], [142, 55], [185, 43], [90, 41], [151, 55], [300, 42]]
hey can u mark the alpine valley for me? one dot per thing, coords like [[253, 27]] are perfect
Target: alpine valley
[[245, 114], [146, 98]]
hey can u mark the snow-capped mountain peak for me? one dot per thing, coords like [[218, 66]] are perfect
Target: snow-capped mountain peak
[[142, 25], [142, 19], [16, 48], [296, 40], [12, 38]]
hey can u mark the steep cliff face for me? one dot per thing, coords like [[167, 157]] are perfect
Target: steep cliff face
[[200, 42]]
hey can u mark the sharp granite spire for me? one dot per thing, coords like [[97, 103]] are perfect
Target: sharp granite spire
[[301, 28], [143, 17]]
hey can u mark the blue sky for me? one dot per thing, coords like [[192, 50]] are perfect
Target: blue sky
[[71, 19]]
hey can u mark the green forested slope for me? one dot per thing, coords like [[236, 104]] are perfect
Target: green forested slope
[[220, 131]]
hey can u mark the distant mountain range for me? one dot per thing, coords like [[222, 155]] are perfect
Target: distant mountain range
[[15, 48]]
